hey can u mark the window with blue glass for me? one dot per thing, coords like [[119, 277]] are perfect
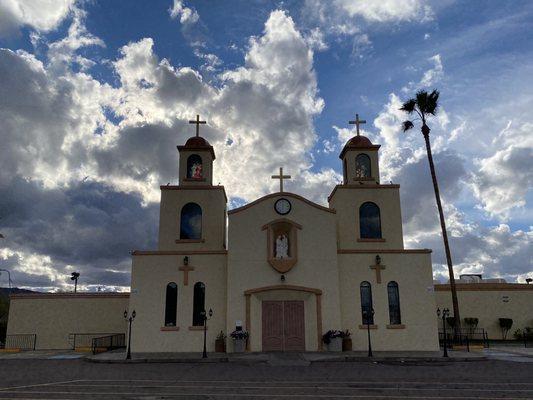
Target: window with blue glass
[[394, 303], [171, 304], [191, 221], [369, 221], [198, 306], [366, 303]]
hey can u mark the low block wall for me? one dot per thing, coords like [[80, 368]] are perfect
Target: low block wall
[[53, 318]]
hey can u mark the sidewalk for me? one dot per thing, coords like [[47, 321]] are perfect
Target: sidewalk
[[306, 358]]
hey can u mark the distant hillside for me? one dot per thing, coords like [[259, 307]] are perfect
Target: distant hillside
[[5, 292]]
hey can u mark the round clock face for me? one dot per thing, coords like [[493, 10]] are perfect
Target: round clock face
[[282, 206]]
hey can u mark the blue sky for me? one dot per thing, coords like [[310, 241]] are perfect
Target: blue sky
[[98, 94]]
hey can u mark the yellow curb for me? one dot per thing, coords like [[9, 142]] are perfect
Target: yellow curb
[[9, 350]]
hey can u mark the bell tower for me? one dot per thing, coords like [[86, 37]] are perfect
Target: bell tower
[[193, 213], [359, 157], [196, 159]]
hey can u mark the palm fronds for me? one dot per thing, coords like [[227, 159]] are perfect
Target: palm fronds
[[406, 125]]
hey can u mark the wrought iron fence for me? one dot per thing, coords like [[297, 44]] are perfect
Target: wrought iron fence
[[109, 342], [21, 341], [85, 340], [465, 337]]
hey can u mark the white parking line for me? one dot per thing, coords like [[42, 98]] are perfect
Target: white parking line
[[328, 396], [306, 382], [315, 387], [39, 384]]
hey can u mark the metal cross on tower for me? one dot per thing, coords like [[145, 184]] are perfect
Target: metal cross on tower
[[281, 177], [357, 122], [197, 122]]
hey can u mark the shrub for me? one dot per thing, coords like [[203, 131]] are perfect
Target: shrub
[[471, 323], [505, 325], [526, 333]]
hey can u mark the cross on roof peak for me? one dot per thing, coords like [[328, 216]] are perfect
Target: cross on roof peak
[[197, 122], [281, 177], [357, 122]]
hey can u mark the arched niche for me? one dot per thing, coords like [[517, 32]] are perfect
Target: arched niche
[[282, 244]]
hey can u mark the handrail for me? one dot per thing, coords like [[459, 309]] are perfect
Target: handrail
[[109, 342]]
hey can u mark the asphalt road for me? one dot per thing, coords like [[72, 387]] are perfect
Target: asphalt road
[[79, 379]]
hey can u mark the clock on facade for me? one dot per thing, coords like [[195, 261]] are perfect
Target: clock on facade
[[282, 206]]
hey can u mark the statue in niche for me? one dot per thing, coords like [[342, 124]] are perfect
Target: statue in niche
[[196, 171], [282, 247]]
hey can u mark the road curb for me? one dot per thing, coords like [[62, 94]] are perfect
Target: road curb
[[401, 359], [406, 360], [220, 360]]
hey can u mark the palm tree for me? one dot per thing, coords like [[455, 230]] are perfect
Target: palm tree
[[424, 105], [74, 277]]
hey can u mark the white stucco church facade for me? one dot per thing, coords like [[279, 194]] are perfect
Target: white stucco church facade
[[283, 267]]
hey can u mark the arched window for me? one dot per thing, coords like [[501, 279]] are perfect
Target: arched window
[[362, 166], [198, 304], [171, 304], [191, 221], [394, 303], [369, 221], [194, 167], [366, 303]]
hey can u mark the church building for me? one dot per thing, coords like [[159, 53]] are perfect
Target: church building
[[283, 267]]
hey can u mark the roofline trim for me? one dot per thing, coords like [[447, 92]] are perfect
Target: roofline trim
[[195, 187], [401, 251], [101, 295], [352, 186], [286, 194], [177, 252], [444, 287]]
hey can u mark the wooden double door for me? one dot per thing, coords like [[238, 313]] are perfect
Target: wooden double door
[[283, 325]]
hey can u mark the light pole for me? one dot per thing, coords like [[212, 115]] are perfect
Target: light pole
[[8, 277], [204, 315], [445, 313], [130, 320], [366, 315]]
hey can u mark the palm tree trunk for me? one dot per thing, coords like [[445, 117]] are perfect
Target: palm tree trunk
[[425, 132]]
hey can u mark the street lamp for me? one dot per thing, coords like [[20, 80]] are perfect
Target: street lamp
[[8, 277], [204, 316], [130, 320], [445, 313], [366, 315]]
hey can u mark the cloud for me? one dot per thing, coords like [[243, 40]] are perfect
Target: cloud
[[187, 15], [349, 17], [493, 250], [42, 15], [503, 179], [434, 74], [87, 183], [385, 10]]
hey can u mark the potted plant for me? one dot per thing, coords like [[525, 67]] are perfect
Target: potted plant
[[220, 343], [333, 340], [346, 340], [239, 340]]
